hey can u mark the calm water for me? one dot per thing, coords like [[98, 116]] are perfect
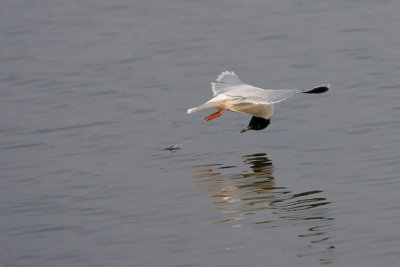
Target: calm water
[[101, 166]]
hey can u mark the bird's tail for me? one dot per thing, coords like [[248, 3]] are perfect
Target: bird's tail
[[191, 110], [318, 90], [204, 106]]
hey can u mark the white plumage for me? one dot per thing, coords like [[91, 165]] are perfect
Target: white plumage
[[230, 93]]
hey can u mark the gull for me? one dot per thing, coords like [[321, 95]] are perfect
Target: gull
[[230, 93]]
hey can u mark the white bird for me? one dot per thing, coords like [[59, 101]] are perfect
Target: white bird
[[230, 93]]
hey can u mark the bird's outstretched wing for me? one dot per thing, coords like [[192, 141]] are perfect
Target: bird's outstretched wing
[[226, 81], [246, 93], [260, 96]]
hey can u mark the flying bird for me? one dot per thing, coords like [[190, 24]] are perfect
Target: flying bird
[[230, 93]]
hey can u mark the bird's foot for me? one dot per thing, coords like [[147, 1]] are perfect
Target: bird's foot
[[215, 115]]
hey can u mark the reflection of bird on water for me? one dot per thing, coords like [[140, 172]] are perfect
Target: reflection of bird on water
[[233, 192], [258, 184], [260, 165], [248, 195], [252, 194]]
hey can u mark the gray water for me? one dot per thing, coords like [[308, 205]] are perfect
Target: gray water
[[101, 166]]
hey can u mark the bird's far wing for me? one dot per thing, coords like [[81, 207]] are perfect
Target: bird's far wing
[[229, 77], [226, 81], [260, 96]]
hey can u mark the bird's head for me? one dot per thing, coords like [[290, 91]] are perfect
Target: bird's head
[[256, 124]]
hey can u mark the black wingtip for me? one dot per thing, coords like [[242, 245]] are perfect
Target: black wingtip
[[318, 90]]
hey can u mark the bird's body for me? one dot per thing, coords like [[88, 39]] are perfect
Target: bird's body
[[230, 93]]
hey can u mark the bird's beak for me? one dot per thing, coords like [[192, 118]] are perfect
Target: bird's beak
[[246, 129]]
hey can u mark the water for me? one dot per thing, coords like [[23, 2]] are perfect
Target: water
[[101, 166]]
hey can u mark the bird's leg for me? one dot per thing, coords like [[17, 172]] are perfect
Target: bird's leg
[[215, 115]]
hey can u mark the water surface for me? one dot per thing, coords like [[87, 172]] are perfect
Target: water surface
[[100, 164]]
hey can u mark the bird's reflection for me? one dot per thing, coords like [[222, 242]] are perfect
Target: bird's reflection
[[248, 195]]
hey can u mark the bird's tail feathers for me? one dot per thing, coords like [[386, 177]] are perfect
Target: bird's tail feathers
[[191, 110], [319, 89], [204, 106]]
